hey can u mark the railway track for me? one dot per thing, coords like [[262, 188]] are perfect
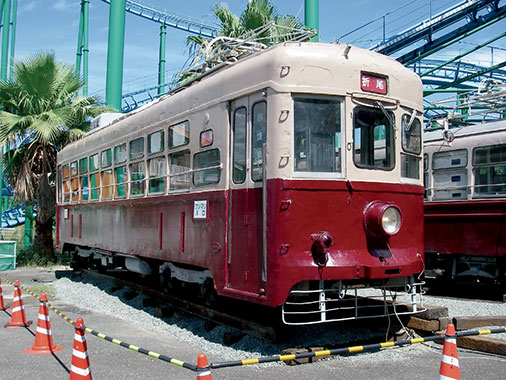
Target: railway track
[[243, 325]]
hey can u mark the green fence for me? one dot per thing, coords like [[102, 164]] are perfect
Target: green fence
[[7, 255]]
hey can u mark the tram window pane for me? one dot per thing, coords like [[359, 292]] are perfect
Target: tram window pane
[[94, 162], [411, 135], [83, 165], [65, 171], [208, 159], [106, 158], [107, 184], [490, 155], [317, 135], [137, 148], [450, 184], [239, 155], [120, 154], [75, 189], [95, 185], [450, 159], [258, 138], [59, 184], [410, 166], [425, 162], [156, 168], [373, 139], [155, 142], [73, 169], [179, 134], [66, 191], [206, 138], [137, 178], [425, 184], [120, 176], [490, 180], [180, 171], [84, 188]]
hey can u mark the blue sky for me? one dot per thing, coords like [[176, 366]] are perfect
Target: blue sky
[[52, 25]]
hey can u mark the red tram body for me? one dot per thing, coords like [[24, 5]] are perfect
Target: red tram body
[[292, 173], [465, 207]]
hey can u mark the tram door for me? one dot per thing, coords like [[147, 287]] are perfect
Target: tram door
[[248, 135]]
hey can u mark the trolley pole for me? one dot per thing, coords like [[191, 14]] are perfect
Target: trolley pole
[[311, 17], [161, 63], [115, 49]]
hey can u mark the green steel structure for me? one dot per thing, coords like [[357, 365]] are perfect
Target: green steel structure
[[312, 16], [82, 44], [115, 49], [161, 64]]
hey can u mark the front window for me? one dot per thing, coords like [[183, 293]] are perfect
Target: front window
[[373, 138], [317, 140]]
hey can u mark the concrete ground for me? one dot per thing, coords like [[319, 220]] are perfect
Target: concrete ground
[[110, 361]]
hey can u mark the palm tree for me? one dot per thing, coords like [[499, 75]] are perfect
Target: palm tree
[[41, 111]]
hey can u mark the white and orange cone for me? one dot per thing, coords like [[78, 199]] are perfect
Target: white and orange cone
[[18, 318], [449, 369], [203, 372], [43, 338], [2, 306], [80, 367]]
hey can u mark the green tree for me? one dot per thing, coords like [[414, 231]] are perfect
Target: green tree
[[257, 14], [41, 110]]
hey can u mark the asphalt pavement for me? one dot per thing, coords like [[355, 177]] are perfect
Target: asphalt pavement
[[110, 361]]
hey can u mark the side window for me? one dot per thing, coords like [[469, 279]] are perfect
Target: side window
[[156, 169], [258, 135], [489, 170], [106, 175], [74, 182], [120, 177], [206, 138], [426, 183], [137, 178], [94, 177], [179, 134], [179, 170], [317, 124], [83, 178], [155, 142], [411, 146], [239, 154], [137, 148], [105, 159], [373, 139], [450, 175], [206, 167], [66, 183], [120, 154]]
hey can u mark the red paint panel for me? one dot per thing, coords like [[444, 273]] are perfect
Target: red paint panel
[[474, 227], [58, 228], [160, 230], [181, 233], [80, 225], [72, 225]]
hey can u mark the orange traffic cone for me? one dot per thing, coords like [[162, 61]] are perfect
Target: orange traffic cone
[[18, 318], [203, 372], [43, 339], [2, 306], [80, 368], [449, 369]]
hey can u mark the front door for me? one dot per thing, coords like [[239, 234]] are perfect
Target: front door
[[248, 117]]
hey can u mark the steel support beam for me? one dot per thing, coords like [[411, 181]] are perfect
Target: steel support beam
[[5, 39], [161, 60], [115, 50], [13, 35], [312, 17]]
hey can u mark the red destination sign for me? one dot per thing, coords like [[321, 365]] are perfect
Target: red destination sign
[[371, 83]]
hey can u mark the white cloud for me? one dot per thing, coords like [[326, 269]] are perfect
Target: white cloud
[[63, 5]]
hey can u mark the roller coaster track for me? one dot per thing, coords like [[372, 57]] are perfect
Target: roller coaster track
[[185, 23]]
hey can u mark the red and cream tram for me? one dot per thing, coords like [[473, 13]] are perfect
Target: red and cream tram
[[290, 178], [465, 209]]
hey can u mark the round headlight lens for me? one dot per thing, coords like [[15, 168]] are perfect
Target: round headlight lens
[[391, 220]]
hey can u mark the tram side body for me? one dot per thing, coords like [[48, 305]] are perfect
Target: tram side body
[[322, 223], [465, 209]]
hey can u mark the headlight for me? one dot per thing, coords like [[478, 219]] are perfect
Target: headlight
[[382, 219], [391, 220]]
